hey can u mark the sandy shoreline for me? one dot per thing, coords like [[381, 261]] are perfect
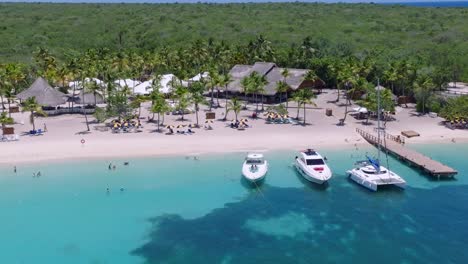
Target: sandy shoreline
[[63, 139]]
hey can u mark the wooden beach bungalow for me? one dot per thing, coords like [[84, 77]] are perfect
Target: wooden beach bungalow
[[272, 73]]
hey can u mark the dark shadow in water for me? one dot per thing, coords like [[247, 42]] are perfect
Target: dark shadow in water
[[296, 225]]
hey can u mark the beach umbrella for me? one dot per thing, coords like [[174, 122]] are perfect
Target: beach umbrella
[[169, 126], [244, 120], [209, 121], [180, 126]]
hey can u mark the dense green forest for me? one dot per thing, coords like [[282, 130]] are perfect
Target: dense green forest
[[337, 29], [414, 51]]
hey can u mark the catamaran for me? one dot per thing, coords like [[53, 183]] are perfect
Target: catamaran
[[312, 166], [255, 167], [369, 173]]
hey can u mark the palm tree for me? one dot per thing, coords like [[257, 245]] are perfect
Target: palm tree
[[196, 97], [284, 87], [94, 88], [303, 97], [214, 77], [6, 120], [424, 88], [246, 84], [32, 106], [183, 99], [224, 80], [235, 105], [159, 106], [138, 101]]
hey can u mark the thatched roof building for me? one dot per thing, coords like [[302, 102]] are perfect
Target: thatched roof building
[[272, 73], [44, 93]]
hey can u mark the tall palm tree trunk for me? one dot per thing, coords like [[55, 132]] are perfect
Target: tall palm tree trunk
[[32, 120], [212, 99], [158, 121], [84, 108], [9, 107], [225, 102], [196, 113], [298, 107], [3, 104], [263, 109], [304, 114], [286, 100]]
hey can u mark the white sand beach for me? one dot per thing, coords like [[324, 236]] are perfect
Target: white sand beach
[[65, 133]]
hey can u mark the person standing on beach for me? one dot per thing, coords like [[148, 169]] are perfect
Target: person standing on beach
[[14, 169], [45, 127]]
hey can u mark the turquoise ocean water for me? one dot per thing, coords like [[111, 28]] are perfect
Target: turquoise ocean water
[[179, 210]]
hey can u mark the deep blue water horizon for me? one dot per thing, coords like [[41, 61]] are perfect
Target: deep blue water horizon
[[422, 3], [180, 210]]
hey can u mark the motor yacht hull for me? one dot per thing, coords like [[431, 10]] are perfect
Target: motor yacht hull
[[254, 175], [315, 177]]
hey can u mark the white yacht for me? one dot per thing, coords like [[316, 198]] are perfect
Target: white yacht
[[312, 167], [255, 167], [371, 175]]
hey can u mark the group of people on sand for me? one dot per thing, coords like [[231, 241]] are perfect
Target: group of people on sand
[[238, 124], [125, 125]]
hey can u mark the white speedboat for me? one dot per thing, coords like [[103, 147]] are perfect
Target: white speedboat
[[312, 167], [255, 167], [371, 175]]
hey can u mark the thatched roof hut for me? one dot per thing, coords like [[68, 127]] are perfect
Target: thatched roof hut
[[272, 73], [44, 93]]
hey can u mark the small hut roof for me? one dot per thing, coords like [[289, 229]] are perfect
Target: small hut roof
[[44, 93]]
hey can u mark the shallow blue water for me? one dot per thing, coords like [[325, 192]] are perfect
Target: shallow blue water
[[178, 210]]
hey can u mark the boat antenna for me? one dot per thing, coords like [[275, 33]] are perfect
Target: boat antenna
[[378, 123]]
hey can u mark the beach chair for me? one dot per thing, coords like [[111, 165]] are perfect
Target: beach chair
[[39, 132]]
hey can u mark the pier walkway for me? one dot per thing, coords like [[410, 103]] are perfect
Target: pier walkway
[[392, 146]]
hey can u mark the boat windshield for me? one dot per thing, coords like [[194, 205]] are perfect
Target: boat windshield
[[254, 161], [313, 162], [373, 171]]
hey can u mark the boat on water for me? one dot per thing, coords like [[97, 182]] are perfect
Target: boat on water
[[370, 173], [255, 167], [312, 166]]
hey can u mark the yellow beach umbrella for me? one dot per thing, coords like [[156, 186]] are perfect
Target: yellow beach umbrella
[[244, 120], [169, 126], [180, 126], [209, 121]]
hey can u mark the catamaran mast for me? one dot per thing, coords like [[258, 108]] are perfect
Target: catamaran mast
[[378, 122]]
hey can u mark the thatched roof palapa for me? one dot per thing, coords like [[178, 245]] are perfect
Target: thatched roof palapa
[[44, 93], [272, 74]]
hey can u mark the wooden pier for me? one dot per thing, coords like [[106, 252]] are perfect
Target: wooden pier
[[396, 148]]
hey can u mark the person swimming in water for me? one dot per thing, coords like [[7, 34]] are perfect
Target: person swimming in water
[[38, 174], [126, 163], [110, 166], [121, 189]]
